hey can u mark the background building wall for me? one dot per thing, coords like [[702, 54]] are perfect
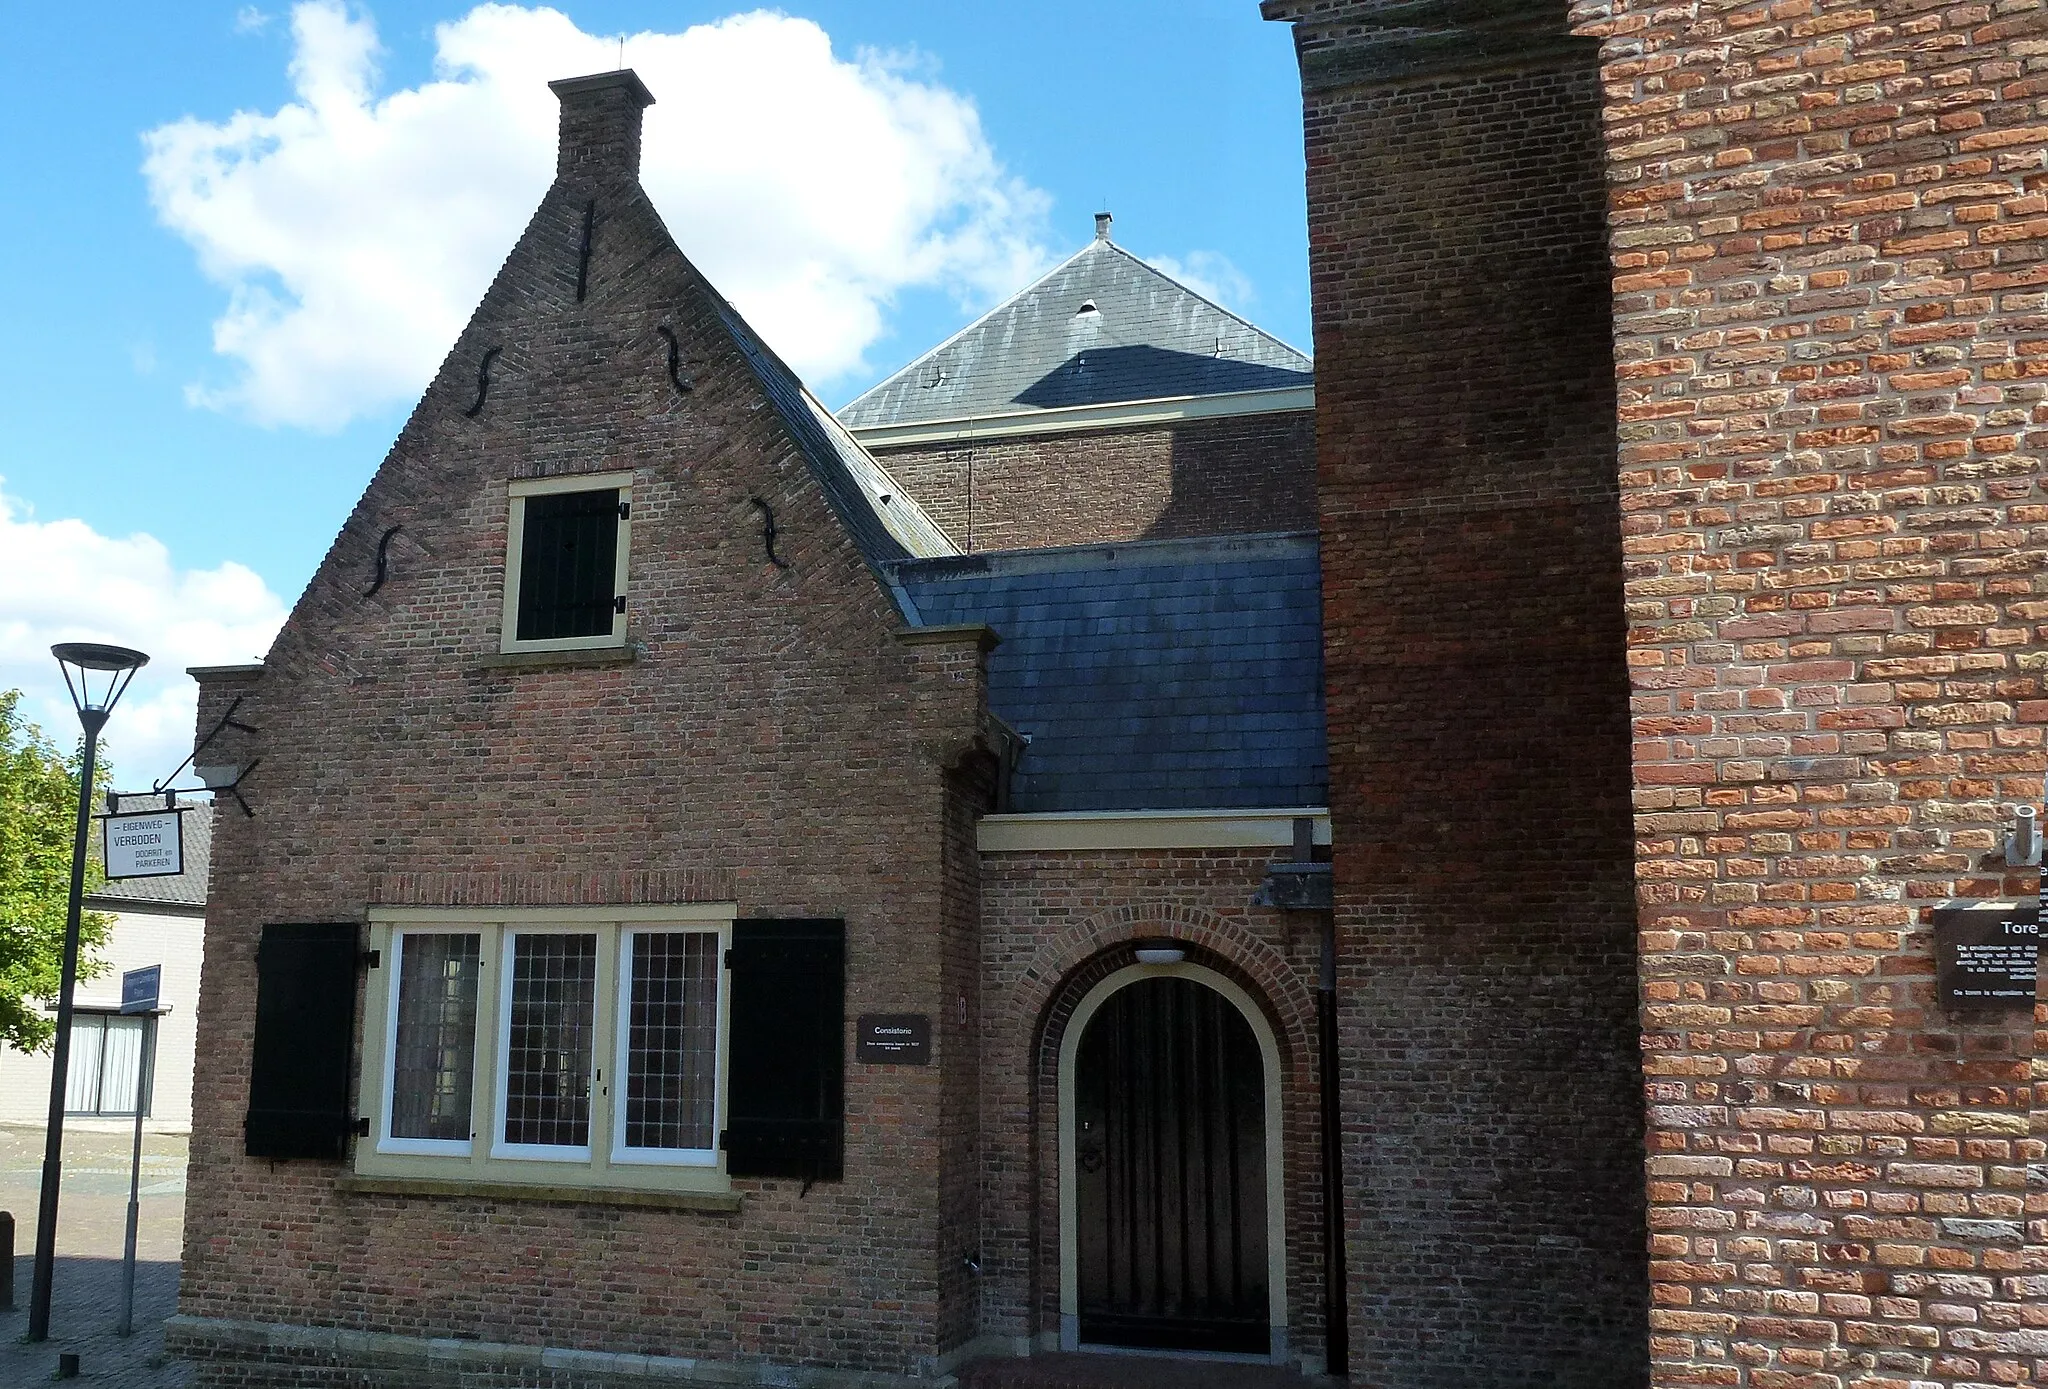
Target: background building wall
[[1238, 474], [139, 938], [1831, 296], [1476, 696]]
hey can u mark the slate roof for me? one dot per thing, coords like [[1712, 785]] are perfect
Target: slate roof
[[187, 889], [886, 523], [1158, 675], [1147, 337]]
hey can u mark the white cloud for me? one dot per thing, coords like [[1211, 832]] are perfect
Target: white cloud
[[64, 581], [1211, 275], [354, 231], [250, 20]]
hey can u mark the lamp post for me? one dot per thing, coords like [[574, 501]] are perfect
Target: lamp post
[[96, 676]]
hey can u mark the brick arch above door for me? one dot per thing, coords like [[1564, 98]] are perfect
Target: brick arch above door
[[1033, 1008]]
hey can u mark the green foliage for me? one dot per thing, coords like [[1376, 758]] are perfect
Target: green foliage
[[38, 817]]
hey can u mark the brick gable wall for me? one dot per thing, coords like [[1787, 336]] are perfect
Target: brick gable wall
[[772, 743], [1226, 476], [1828, 234]]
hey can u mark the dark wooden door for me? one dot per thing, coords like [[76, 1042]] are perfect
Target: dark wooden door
[[1170, 1169]]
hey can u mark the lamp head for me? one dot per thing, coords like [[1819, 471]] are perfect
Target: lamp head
[[96, 675]]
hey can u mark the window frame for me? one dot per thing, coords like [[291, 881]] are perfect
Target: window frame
[[485, 1157], [386, 1141], [622, 1029], [517, 491]]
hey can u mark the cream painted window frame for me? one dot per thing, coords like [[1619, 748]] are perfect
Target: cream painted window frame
[[485, 1161], [517, 491]]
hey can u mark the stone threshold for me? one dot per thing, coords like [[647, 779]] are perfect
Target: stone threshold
[[292, 1349]]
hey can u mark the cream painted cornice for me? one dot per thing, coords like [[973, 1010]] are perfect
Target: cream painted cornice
[[1149, 829], [1164, 410]]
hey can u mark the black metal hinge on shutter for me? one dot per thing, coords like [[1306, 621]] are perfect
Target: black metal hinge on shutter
[[625, 511], [619, 603]]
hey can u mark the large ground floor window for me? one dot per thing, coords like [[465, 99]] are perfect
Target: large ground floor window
[[549, 1046]]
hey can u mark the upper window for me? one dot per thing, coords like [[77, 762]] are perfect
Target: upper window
[[565, 562]]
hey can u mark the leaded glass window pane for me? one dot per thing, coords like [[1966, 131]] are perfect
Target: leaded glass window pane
[[672, 1040], [434, 1060], [551, 1022]]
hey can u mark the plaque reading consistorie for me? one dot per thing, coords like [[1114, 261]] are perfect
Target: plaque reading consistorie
[[894, 1039], [1987, 956]]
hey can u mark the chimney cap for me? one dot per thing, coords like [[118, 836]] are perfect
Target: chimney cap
[[598, 81], [1102, 221]]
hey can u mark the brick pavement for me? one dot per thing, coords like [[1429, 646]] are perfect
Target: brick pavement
[[85, 1302]]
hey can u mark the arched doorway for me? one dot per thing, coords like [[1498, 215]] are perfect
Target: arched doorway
[[1170, 1163]]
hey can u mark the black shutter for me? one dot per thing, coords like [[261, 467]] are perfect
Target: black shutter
[[568, 564], [785, 1085], [305, 1023]]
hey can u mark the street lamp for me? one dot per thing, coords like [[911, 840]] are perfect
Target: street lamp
[[97, 676]]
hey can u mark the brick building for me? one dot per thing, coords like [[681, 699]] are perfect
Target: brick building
[[1662, 631], [690, 927], [1804, 499]]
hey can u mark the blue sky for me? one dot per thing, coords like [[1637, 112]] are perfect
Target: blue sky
[[161, 488]]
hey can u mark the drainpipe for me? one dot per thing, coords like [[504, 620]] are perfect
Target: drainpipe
[[1305, 885], [1336, 1316]]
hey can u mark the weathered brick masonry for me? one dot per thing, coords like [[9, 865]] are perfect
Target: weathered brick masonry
[[765, 739], [1476, 695], [1226, 476], [1832, 339]]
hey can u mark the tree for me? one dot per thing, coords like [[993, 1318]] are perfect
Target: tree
[[38, 817]]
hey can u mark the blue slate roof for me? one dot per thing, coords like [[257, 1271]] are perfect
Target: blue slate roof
[[1157, 675]]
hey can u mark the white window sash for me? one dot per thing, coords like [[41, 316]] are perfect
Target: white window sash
[[538, 1152], [622, 1055], [433, 1147]]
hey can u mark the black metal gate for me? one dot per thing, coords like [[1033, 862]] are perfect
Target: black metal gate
[[1170, 1169]]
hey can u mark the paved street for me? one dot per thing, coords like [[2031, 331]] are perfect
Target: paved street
[[86, 1301]]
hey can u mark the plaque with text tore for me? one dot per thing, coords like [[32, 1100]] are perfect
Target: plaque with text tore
[[1987, 956], [894, 1039]]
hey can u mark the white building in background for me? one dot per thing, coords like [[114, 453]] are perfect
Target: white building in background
[[157, 921]]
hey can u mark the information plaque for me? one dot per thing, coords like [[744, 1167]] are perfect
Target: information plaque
[[894, 1039], [1987, 955]]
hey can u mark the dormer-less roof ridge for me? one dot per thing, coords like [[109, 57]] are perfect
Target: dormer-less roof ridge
[[1102, 327]]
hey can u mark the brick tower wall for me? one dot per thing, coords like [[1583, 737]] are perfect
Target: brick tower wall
[[1831, 309], [1477, 702]]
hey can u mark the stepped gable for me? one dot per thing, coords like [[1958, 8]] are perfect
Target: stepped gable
[[1102, 327]]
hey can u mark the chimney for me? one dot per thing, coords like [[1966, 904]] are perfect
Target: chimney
[[601, 124], [1102, 220]]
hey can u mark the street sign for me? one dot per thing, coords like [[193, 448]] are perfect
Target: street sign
[[140, 987], [150, 844]]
